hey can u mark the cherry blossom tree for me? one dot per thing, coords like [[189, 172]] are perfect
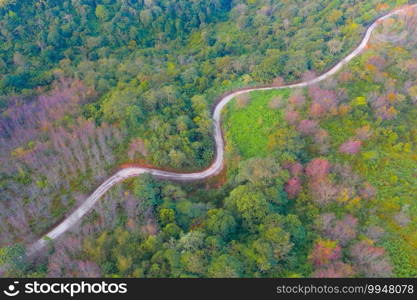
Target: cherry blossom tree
[[297, 100], [323, 192], [293, 187], [317, 110], [370, 260], [318, 168], [342, 230], [308, 127], [137, 145], [364, 133], [88, 269], [295, 168], [292, 116], [322, 140], [350, 147], [324, 252]]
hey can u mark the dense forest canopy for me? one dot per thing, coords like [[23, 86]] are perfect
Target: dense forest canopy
[[89, 86]]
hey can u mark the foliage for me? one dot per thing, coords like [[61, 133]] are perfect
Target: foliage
[[319, 182]]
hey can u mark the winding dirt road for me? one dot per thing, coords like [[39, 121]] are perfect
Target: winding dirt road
[[216, 166]]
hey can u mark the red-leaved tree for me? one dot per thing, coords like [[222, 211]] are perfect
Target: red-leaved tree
[[325, 252]]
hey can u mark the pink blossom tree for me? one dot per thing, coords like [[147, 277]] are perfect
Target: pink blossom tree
[[343, 230], [318, 168], [323, 191], [322, 140], [293, 187], [350, 147], [317, 110], [292, 116], [308, 127], [295, 168], [297, 100], [370, 260], [364, 133]]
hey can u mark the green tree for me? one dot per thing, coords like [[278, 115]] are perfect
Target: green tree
[[225, 266], [220, 222], [147, 189], [13, 258], [248, 205], [101, 12]]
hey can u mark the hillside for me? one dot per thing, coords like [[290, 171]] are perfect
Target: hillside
[[318, 181], [349, 146]]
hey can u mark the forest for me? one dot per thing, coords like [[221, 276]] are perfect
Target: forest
[[318, 182]]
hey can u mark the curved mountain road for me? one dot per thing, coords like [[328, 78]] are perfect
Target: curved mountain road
[[216, 166]]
